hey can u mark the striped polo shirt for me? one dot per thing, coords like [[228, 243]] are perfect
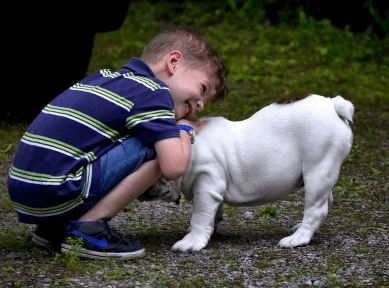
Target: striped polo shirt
[[57, 162]]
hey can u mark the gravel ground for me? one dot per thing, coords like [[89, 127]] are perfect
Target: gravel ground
[[344, 253], [350, 250]]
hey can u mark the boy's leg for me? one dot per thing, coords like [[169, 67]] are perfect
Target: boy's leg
[[99, 240], [126, 191], [130, 166]]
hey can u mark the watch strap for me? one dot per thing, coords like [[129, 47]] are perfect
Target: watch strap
[[190, 131]]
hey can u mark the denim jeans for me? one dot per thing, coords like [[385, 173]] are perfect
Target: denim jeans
[[121, 161]]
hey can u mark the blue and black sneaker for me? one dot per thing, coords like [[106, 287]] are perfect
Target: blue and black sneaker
[[99, 241], [49, 235]]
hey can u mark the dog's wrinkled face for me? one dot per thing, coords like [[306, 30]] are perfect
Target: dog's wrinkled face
[[161, 189]]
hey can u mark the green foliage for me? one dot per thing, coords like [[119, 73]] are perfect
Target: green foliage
[[139, 225], [5, 151], [18, 283], [14, 237], [119, 274], [230, 209], [381, 19], [299, 11], [197, 281], [5, 202], [242, 223], [267, 212], [71, 259], [266, 63]]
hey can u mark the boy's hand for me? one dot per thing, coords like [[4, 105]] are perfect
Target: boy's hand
[[197, 125]]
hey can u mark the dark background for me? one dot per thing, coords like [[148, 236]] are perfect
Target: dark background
[[55, 41]]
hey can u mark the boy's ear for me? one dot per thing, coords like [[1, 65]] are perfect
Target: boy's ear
[[172, 61]]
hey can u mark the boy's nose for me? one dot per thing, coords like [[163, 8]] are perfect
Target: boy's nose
[[200, 105]]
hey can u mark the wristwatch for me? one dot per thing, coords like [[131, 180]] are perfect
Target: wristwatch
[[190, 131]]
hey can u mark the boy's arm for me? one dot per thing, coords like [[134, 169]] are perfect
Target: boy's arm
[[174, 155]]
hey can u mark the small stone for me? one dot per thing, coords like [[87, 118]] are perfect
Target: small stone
[[10, 255], [319, 284], [249, 215], [205, 251], [46, 280]]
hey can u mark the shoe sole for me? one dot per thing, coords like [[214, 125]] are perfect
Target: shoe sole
[[40, 241], [102, 255]]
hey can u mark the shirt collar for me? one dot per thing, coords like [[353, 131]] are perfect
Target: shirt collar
[[137, 66]]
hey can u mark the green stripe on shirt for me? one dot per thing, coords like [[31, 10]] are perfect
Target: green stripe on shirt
[[47, 211], [84, 119], [143, 80], [111, 96], [147, 116], [41, 177], [58, 145]]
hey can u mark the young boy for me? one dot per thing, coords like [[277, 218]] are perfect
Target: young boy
[[105, 140]]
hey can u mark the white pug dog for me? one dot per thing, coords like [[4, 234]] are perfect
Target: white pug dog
[[263, 158]]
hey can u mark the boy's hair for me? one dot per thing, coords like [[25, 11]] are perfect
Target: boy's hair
[[196, 51]]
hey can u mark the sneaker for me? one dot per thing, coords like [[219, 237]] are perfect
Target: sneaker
[[49, 235], [100, 242]]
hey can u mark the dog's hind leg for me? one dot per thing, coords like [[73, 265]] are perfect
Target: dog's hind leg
[[319, 181], [330, 200]]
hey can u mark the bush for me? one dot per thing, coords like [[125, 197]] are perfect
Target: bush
[[359, 16]]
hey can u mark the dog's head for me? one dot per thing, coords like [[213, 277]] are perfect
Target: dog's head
[[164, 190]]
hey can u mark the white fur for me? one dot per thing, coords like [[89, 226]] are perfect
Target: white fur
[[265, 157]]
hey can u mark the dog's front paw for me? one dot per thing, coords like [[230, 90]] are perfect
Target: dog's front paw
[[191, 242], [299, 238], [290, 242]]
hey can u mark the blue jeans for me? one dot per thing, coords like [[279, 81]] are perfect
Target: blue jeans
[[121, 161], [116, 165]]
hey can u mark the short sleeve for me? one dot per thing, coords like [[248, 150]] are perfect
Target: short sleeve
[[152, 118]]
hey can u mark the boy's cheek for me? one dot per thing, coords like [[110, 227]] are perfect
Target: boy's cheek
[[177, 113]]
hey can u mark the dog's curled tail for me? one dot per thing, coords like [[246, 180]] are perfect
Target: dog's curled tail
[[344, 108]]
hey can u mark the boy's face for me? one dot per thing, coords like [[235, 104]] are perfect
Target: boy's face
[[191, 88]]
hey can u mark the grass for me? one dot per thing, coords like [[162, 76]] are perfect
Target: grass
[[267, 63]]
